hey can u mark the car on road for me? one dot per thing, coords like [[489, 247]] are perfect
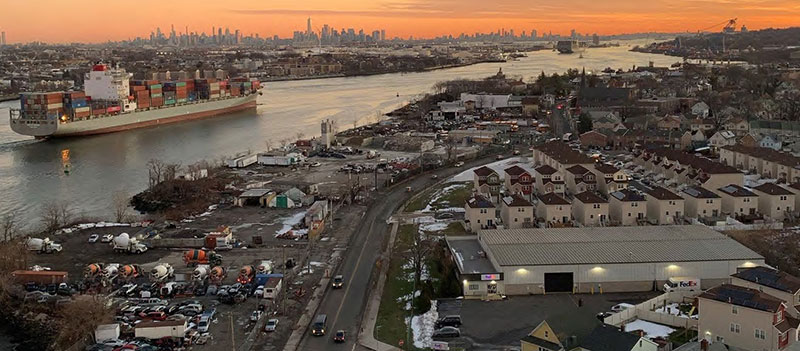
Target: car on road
[[448, 321], [271, 325], [94, 237], [445, 215], [621, 307], [339, 336], [338, 282], [459, 164], [447, 332], [107, 238], [316, 164], [435, 176], [499, 157], [255, 316]]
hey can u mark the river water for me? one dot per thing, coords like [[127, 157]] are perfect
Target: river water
[[31, 171]]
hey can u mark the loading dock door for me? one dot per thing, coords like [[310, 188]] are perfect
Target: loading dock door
[[558, 282]]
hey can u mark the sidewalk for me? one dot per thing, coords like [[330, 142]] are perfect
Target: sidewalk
[[367, 335]]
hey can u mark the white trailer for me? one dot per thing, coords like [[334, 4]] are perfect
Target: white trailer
[[106, 332], [273, 288], [243, 161], [161, 329]]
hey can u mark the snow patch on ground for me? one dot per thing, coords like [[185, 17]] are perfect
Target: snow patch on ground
[[497, 166], [289, 222], [422, 327], [439, 194], [673, 309], [433, 227], [651, 330]]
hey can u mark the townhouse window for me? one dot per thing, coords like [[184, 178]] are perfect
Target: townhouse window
[[734, 309], [515, 219], [667, 213], [634, 204], [629, 214], [591, 216], [735, 328], [783, 197], [760, 334], [779, 208]]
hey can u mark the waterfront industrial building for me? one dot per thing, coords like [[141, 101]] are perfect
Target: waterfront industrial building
[[594, 260]]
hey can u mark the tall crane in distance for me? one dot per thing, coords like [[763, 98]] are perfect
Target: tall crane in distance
[[729, 26]]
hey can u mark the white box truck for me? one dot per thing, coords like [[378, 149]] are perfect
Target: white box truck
[[273, 288], [682, 284], [106, 332], [161, 329]]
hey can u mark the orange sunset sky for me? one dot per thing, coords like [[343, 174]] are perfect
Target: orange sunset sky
[[97, 21]]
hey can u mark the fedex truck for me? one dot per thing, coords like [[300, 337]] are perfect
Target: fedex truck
[[682, 284]]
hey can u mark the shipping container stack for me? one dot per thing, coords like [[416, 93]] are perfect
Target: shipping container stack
[[156, 93], [224, 90], [45, 106], [76, 105], [140, 94], [207, 88]]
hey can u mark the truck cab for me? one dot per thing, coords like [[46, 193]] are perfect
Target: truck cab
[[674, 284]]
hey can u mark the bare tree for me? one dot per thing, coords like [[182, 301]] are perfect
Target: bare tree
[[84, 314], [9, 226], [418, 252], [120, 202], [451, 146], [171, 170], [56, 215], [268, 144], [155, 172], [299, 135]]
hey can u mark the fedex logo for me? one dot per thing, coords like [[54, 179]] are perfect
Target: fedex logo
[[687, 284]]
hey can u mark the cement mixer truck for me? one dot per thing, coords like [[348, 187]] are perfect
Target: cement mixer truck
[[195, 257], [246, 275], [201, 272], [93, 270], [124, 243], [161, 272], [42, 245], [129, 271], [216, 275]]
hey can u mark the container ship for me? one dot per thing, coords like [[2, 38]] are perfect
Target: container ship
[[570, 46], [113, 102]]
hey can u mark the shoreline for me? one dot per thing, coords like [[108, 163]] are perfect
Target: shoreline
[[342, 75]]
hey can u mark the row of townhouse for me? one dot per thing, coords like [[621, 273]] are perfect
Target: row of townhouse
[[757, 310], [687, 168], [766, 162]]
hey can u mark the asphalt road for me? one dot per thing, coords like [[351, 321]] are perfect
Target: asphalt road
[[345, 307]]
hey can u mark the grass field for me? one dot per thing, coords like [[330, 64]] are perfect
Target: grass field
[[390, 326], [443, 196]]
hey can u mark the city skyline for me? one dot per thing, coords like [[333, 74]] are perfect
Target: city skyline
[[43, 21]]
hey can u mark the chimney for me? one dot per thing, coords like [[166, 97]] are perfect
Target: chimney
[[704, 345]]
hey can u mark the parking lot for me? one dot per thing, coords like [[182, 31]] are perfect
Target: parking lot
[[499, 325]]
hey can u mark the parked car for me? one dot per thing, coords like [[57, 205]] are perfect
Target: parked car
[[93, 238], [212, 290], [271, 325], [255, 316], [107, 238], [338, 282], [259, 291], [202, 325], [316, 164], [620, 307], [435, 176], [445, 215], [339, 336], [448, 321], [602, 315], [459, 164], [447, 332]]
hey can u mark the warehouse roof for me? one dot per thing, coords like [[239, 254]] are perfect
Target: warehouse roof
[[556, 246]]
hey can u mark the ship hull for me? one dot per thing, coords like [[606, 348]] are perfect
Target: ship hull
[[134, 120]]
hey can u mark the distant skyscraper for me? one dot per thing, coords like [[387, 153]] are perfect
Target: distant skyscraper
[[383, 35], [595, 39], [2, 38], [572, 34], [308, 30], [534, 34]]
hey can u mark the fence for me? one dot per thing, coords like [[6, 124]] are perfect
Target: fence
[[644, 311]]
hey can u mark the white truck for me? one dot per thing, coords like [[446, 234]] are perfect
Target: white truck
[[264, 267], [242, 161], [124, 243], [273, 288], [682, 284], [161, 329], [42, 245]]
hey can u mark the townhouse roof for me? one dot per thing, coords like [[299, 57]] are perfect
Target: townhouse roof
[[607, 245], [697, 162], [767, 154], [515, 170], [745, 297], [516, 201], [773, 189], [483, 171], [772, 278], [479, 201], [795, 186], [736, 191], [562, 153], [547, 345], [699, 192], [626, 195], [589, 197], [578, 170], [546, 170], [663, 194], [606, 168], [553, 199], [609, 338]]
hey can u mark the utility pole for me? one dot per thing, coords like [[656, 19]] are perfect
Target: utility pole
[[233, 339], [285, 281]]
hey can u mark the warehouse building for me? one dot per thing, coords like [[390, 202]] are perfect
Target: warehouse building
[[595, 260]]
